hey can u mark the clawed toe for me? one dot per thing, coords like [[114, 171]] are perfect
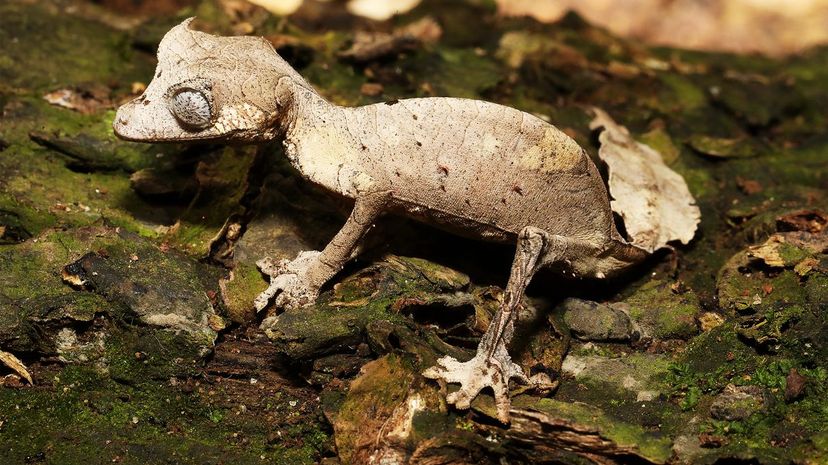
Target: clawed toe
[[280, 287], [272, 267], [289, 286], [480, 372]]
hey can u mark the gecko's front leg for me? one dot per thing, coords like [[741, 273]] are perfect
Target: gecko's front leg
[[296, 283]]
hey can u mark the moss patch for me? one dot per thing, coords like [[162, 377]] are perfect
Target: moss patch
[[663, 313]]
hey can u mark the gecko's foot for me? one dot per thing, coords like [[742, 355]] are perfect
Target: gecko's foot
[[482, 371], [288, 282]]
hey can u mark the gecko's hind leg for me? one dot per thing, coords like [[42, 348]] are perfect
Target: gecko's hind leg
[[492, 366]]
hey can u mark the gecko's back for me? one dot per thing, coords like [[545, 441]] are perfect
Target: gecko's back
[[480, 168]]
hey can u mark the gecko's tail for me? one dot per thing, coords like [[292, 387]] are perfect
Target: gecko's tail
[[653, 201]]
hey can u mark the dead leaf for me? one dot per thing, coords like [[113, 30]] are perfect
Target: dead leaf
[[652, 199], [813, 221], [769, 252], [749, 186], [789, 248], [71, 277], [380, 10], [719, 147], [84, 100], [369, 46], [806, 266], [710, 320], [371, 89], [217, 323], [794, 385], [15, 364]]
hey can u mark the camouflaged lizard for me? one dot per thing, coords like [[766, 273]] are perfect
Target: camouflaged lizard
[[475, 168]]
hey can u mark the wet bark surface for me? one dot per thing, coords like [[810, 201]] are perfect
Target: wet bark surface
[[127, 271]]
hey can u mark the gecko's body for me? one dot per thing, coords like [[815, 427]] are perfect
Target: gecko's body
[[475, 168], [490, 172]]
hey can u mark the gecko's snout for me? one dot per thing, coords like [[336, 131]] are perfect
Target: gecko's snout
[[121, 123], [139, 122]]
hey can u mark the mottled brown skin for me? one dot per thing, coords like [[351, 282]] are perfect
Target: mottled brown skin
[[463, 164], [474, 168]]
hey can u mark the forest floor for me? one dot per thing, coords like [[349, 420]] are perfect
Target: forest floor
[[127, 271]]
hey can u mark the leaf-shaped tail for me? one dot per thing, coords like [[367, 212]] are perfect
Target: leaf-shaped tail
[[652, 199]]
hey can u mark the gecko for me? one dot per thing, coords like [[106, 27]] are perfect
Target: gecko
[[473, 168]]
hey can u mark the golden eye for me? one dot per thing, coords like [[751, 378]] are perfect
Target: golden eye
[[192, 109]]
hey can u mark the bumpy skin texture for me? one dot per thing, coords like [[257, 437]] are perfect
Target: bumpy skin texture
[[475, 168]]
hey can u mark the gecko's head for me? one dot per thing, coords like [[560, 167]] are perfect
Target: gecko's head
[[208, 87]]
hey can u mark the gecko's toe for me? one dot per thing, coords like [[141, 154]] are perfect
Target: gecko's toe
[[272, 267], [478, 373], [278, 285], [461, 398], [289, 287]]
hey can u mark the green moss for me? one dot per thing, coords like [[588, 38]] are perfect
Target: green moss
[[138, 355], [37, 179], [457, 72], [661, 141], [340, 318], [792, 254], [700, 181], [630, 391], [337, 81], [85, 417], [21, 221], [742, 288], [720, 147], [383, 385], [651, 446], [441, 277], [222, 178], [816, 287], [718, 358], [682, 93], [662, 313], [240, 290], [133, 275], [777, 311], [67, 50], [712, 360]]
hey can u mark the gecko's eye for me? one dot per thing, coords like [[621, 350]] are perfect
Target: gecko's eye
[[192, 109]]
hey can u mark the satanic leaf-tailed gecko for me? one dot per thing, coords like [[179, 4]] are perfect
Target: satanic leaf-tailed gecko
[[475, 168]]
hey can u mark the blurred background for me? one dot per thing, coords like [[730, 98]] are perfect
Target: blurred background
[[771, 27]]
